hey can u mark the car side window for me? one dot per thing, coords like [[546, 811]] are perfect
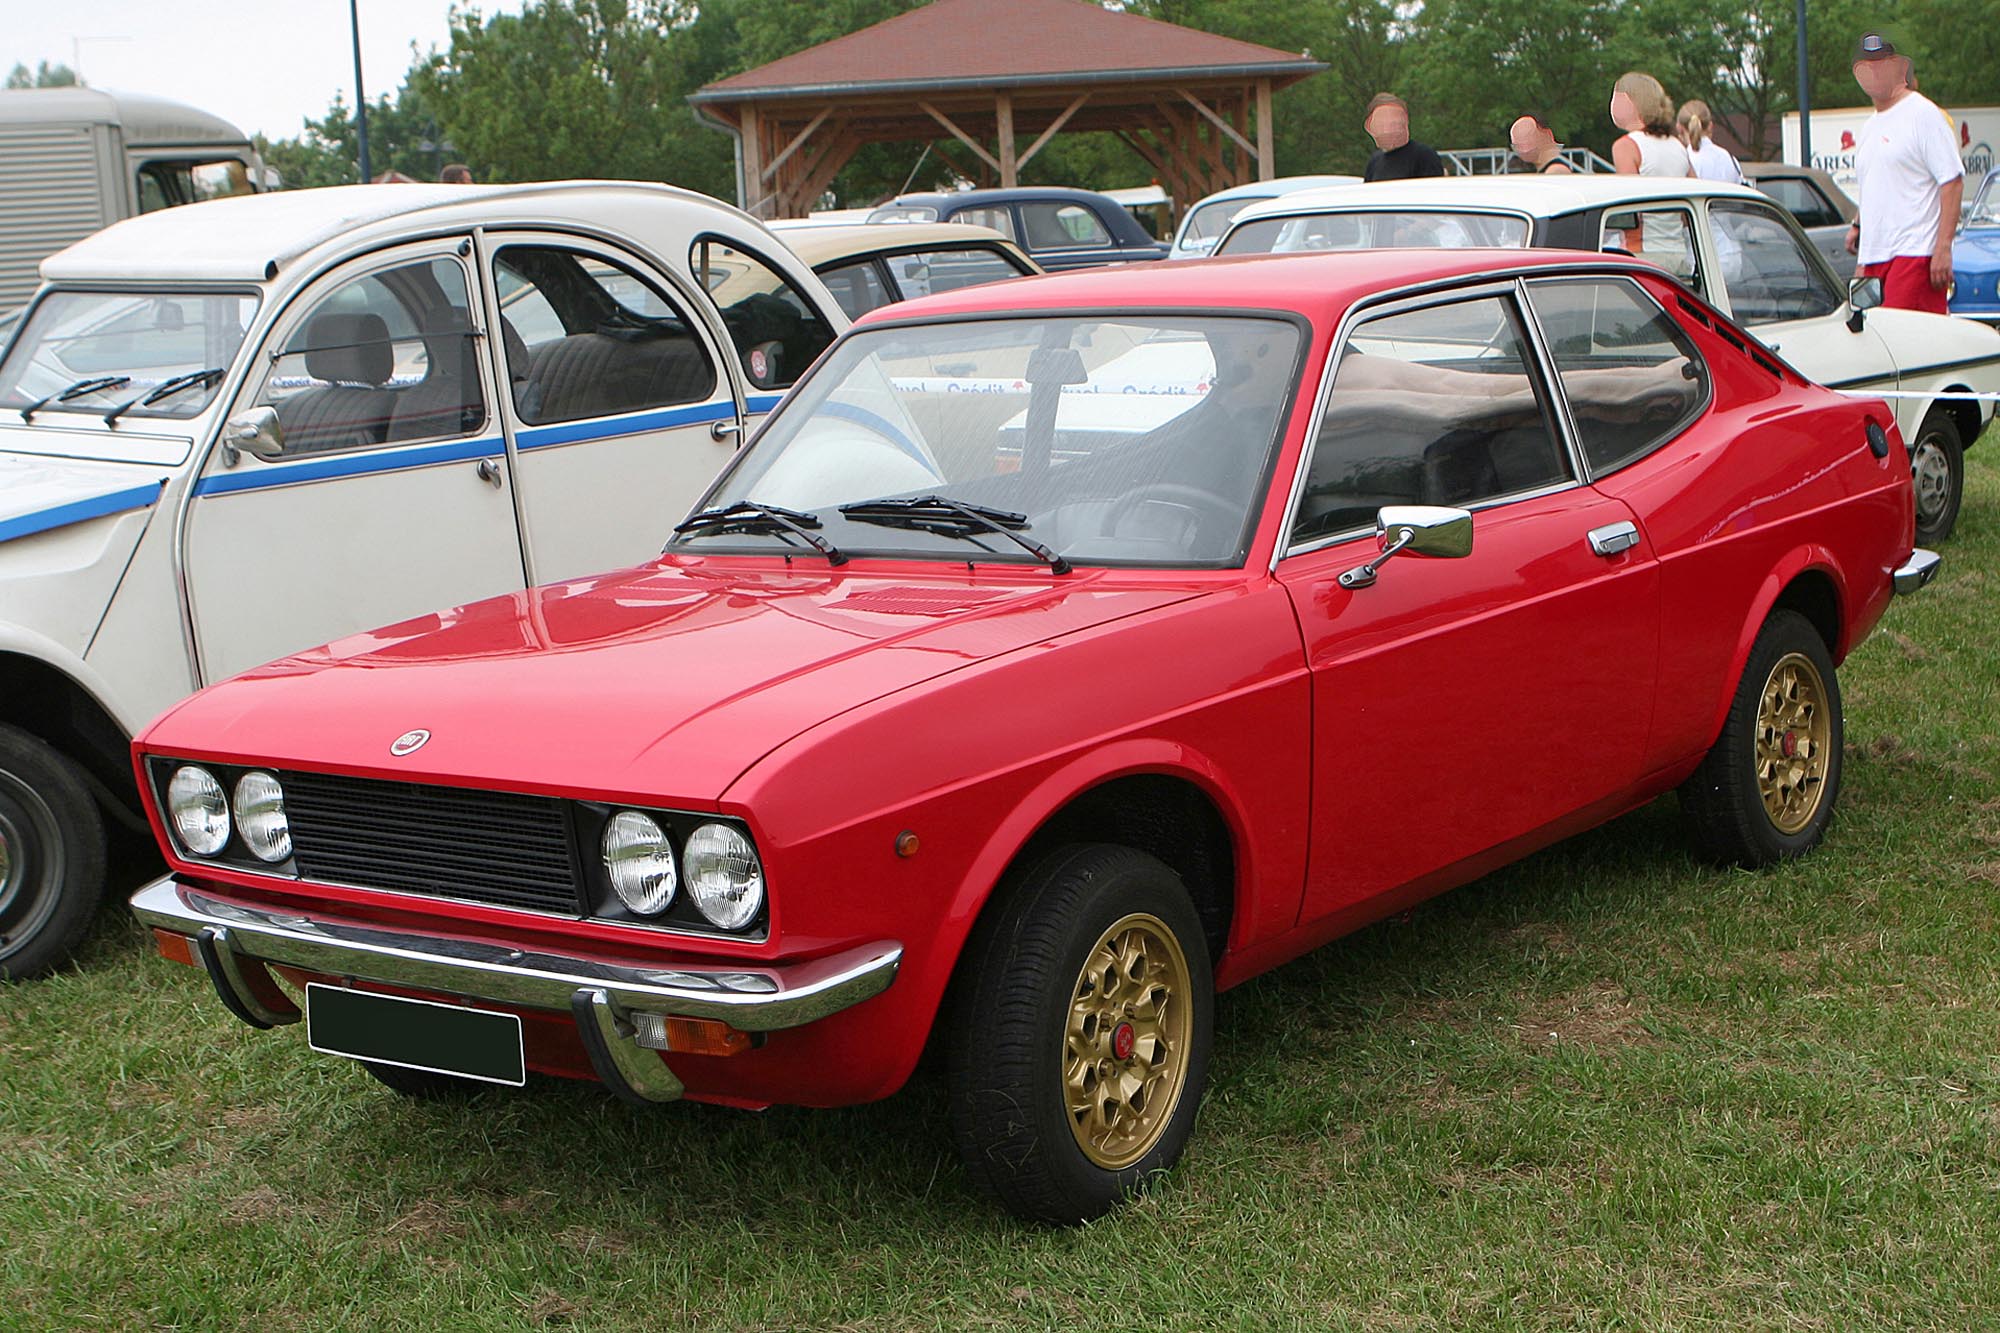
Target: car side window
[[386, 358], [856, 286], [1662, 236], [1766, 268], [1059, 226], [1437, 406], [1802, 199], [777, 331], [931, 271], [999, 218], [587, 337], [1633, 379]]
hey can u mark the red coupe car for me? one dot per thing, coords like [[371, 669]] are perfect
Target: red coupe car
[[1058, 654]]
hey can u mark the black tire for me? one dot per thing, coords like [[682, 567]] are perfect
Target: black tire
[[1766, 790], [1012, 1041], [51, 855], [423, 1084], [1937, 468]]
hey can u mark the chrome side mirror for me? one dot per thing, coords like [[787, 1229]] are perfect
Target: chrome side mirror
[[1431, 530], [257, 430], [1864, 293]]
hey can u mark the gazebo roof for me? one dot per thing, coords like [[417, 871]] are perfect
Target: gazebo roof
[[1074, 43]]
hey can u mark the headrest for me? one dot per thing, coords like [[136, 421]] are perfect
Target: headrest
[[447, 335], [349, 349]]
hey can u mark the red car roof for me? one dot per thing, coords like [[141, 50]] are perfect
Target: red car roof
[[1320, 286]]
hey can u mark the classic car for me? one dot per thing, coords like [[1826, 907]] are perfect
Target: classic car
[[243, 427], [1061, 228], [866, 265], [1816, 201], [1728, 243], [957, 716], [1211, 215], [1975, 256]]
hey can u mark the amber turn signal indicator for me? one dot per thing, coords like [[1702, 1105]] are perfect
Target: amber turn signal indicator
[[174, 948]]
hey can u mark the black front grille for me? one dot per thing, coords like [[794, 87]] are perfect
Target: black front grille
[[489, 847]]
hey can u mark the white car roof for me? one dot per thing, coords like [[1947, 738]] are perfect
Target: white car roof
[[1536, 196], [255, 237], [1276, 187]]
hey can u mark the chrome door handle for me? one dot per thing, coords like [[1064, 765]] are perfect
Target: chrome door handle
[[724, 428], [489, 471], [1613, 538]]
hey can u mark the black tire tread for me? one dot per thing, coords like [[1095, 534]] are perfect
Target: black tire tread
[[1010, 966], [61, 783], [1720, 806]]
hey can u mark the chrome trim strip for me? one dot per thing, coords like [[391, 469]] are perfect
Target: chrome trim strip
[[1918, 570], [752, 997]]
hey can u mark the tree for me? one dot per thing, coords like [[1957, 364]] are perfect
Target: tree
[[403, 136], [570, 88], [44, 75]]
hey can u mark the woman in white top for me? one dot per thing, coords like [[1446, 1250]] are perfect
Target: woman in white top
[[1712, 162], [1649, 147]]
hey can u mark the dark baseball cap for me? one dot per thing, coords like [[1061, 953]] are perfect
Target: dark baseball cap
[[1874, 46]]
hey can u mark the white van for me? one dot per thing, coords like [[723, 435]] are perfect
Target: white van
[[74, 160]]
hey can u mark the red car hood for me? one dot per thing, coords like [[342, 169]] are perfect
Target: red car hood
[[661, 683]]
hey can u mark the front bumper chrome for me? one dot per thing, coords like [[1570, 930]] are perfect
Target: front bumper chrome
[[1919, 569], [234, 941]]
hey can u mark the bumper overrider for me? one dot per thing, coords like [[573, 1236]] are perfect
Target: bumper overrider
[[1919, 569], [612, 1003]]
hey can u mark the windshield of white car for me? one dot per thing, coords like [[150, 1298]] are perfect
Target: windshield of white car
[[81, 354], [1115, 439], [1211, 220], [1404, 228]]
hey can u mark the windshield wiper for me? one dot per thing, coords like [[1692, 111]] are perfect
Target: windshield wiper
[[748, 516], [165, 389], [77, 390], [954, 518]]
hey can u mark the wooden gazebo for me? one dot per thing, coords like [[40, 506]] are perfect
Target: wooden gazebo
[[975, 78]]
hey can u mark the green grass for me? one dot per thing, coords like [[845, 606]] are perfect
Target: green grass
[[1606, 1088]]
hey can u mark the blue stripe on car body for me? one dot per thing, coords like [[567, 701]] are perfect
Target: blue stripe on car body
[[80, 511]]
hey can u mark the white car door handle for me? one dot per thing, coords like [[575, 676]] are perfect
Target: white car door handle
[[1613, 538]]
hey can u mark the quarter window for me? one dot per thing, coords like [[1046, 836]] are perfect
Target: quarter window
[[1435, 406], [1632, 378], [1000, 219], [857, 287], [1059, 226], [1765, 268], [1802, 199], [385, 358], [777, 331], [587, 337]]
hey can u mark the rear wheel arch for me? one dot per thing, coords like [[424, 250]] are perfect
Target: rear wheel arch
[[1965, 413], [1807, 582]]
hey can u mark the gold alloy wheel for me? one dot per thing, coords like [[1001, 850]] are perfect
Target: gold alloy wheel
[[1794, 731], [1125, 1053]]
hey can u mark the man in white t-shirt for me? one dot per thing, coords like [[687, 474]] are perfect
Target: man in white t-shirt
[[1909, 181]]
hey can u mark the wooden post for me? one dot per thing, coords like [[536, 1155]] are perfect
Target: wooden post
[[1003, 107], [752, 135], [1265, 156]]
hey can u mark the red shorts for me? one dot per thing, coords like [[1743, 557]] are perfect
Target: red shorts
[[1906, 283]]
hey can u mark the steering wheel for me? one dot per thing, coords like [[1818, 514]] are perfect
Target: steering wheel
[[1208, 507]]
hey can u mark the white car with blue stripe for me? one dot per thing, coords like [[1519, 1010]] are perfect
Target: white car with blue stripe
[[238, 429]]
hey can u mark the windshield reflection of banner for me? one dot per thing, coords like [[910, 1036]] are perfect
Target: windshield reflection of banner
[[867, 398]]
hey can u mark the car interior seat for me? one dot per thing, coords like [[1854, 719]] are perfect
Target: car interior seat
[[353, 358]]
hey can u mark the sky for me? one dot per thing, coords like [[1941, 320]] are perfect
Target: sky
[[261, 64]]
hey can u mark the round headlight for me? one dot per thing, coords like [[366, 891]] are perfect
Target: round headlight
[[198, 809], [724, 875], [640, 862], [260, 816]]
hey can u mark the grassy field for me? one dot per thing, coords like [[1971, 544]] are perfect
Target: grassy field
[[1607, 1088]]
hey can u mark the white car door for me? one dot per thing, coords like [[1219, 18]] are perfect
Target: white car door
[[628, 388], [1776, 285], [390, 493]]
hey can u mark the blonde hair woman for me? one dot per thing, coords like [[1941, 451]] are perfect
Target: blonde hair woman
[[1712, 162], [1641, 107]]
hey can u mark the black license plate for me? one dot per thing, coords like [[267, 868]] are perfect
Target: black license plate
[[416, 1034]]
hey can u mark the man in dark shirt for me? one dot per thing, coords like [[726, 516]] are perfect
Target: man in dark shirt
[[1397, 156]]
